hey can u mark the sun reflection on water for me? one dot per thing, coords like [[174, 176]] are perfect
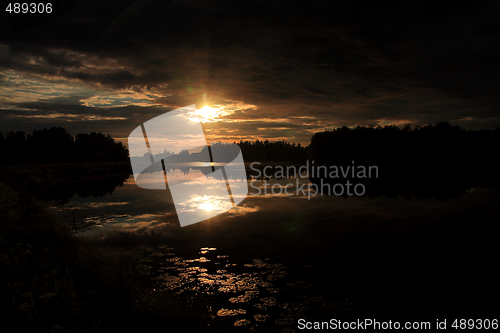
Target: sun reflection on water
[[261, 295], [207, 203]]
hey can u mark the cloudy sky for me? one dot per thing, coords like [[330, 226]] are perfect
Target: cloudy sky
[[280, 70]]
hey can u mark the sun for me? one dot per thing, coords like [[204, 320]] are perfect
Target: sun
[[207, 114]]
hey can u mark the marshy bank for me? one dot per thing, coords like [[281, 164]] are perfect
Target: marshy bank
[[53, 281]]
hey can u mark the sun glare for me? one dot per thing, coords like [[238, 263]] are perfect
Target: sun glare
[[207, 114]]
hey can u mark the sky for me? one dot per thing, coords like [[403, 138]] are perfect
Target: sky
[[277, 70]]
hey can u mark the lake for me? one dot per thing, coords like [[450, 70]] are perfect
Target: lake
[[276, 258]]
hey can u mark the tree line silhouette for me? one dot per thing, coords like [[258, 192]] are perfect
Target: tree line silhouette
[[56, 145], [425, 161], [411, 160], [266, 151], [256, 151]]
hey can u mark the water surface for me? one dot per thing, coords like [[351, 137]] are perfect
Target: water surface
[[276, 258]]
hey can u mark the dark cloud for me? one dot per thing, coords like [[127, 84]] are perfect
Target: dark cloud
[[344, 63]]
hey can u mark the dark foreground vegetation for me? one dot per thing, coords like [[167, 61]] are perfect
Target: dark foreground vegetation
[[53, 281]]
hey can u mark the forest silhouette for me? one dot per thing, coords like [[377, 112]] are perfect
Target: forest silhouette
[[440, 160], [426, 161], [56, 145], [275, 151]]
